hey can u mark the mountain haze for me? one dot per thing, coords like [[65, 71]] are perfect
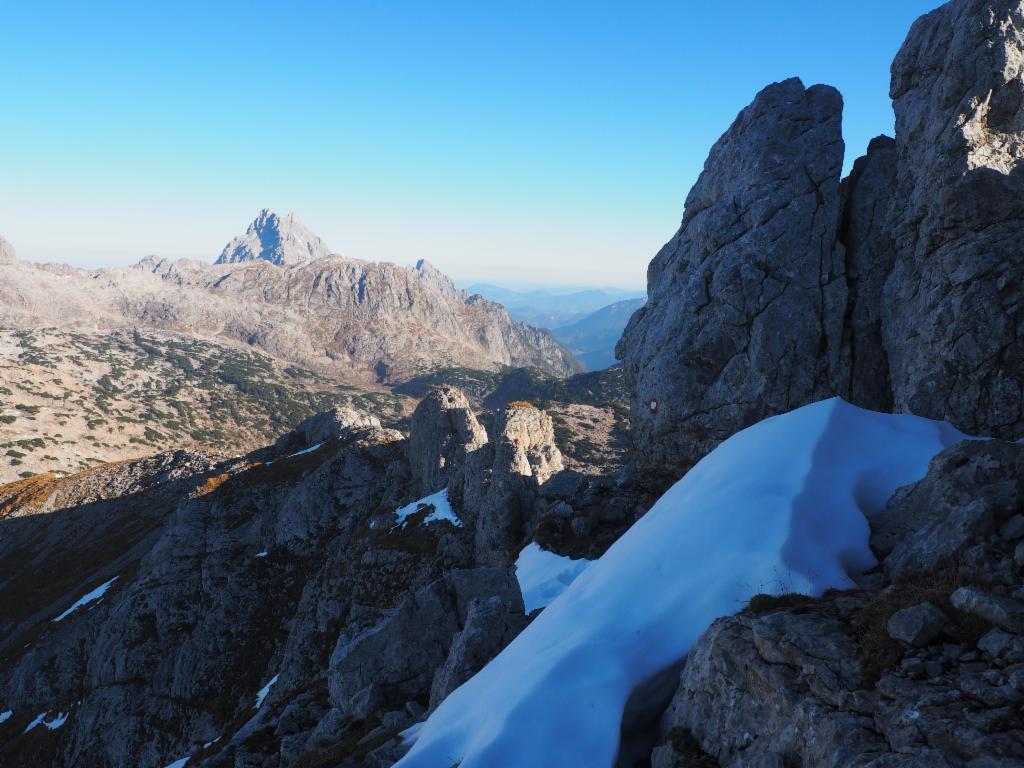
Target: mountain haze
[[277, 288]]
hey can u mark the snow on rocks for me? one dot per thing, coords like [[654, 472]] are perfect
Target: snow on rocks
[[304, 451], [442, 510], [179, 763], [262, 693], [87, 598], [40, 719], [5, 716], [543, 575], [781, 505]]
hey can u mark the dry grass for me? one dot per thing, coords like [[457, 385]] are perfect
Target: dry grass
[[212, 484], [876, 651]]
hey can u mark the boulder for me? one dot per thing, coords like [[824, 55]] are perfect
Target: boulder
[[338, 423], [394, 660], [1001, 611], [918, 625], [443, 432]]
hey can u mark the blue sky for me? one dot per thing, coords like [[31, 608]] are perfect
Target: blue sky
[[528, 141]]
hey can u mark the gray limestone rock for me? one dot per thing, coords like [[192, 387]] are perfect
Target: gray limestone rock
[[491, 624], [395, 659], [1001, 611], [500, 485], [970, 490], [918, 625], [953, 310], [745, 303], [338, 423]]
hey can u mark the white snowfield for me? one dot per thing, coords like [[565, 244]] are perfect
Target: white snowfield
[[779, 507]]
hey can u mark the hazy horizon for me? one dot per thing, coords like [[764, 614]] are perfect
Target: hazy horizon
[[542, 144]]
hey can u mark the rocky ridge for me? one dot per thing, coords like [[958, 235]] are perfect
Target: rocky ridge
[[357, 321], [286, 566]]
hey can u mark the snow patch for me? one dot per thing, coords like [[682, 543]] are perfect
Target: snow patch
[[297, 453], [442, 510], [304, 451], [179, 763], [264, 553], [262, 693], [781, 505], [5, 716], [90, 597], [40, 719], [543, 575]]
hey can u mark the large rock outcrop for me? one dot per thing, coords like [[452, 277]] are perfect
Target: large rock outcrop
[[443, 433], [745, 303], [953, 313], [500, 485], [900, 291]]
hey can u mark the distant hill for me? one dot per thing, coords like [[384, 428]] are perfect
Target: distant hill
[[592, 340], [549, 307]]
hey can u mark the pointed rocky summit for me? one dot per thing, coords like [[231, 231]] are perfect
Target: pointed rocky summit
[[279, 240]]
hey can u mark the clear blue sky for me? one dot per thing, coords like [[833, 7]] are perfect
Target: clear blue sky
[[538, 141]]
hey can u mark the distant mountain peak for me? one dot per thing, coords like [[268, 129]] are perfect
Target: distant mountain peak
[[280, 240]]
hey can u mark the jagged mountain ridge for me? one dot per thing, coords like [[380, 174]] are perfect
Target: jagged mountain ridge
[[351, 319]]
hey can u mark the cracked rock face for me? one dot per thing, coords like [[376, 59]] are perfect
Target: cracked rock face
[[954, 304], [744, 311]]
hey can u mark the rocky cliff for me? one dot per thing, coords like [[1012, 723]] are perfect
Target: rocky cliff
[[271, 609], [897, 288], [358, 321]]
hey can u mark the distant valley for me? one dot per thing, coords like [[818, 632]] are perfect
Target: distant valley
[[588, 322]]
